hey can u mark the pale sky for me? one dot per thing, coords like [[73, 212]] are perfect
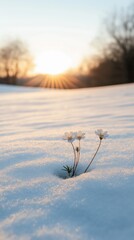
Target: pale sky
[[67, 26]]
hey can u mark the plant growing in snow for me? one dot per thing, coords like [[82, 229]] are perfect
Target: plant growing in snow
[[71, 137], [68, 169], [102, 135]]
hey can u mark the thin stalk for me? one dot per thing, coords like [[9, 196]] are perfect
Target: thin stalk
[[74, 159], [93, 157], [78, 158]]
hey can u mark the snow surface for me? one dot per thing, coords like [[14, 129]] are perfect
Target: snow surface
[[35, 201]]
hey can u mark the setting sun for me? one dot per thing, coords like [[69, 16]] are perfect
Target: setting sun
[[52, 63]]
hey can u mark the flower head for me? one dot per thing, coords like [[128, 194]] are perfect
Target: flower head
[[80, 135], [102, 134], [69, 136]]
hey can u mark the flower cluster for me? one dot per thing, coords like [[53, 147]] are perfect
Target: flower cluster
[[71, 137]]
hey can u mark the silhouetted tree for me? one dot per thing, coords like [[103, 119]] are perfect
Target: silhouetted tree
[[115, 60], [15, 61], [121, 48]]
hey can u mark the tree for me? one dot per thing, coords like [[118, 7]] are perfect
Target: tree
[[121, 31], [15, 61], [114, 61]]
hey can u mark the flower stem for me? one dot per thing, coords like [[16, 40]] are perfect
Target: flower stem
[[93, 157], [74, 159], [78, 158]]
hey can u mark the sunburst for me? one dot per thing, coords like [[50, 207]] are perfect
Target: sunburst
[[61, 81]]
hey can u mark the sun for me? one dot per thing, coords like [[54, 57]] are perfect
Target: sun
[[52, 63]]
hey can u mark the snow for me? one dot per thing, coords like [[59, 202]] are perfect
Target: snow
[[35, 201]]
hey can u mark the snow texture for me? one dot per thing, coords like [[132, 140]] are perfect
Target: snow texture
[[35, 201]]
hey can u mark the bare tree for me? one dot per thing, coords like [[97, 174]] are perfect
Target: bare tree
[[121, 31], [15, 61], [115, 49]]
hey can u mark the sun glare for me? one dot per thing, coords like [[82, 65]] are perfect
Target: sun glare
[[52, 63]]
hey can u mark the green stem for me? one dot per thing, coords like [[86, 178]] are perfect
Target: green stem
[[93, 157]]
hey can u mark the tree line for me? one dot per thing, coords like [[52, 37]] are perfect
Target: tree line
[[115, 60], [15, 61]]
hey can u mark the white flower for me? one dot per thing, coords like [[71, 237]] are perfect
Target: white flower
[[102, 134], [69, 136], [80, 135]]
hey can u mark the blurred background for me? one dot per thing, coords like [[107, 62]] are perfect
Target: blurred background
[[66, 44]]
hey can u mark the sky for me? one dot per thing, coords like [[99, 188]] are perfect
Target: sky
[[66, 26]]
